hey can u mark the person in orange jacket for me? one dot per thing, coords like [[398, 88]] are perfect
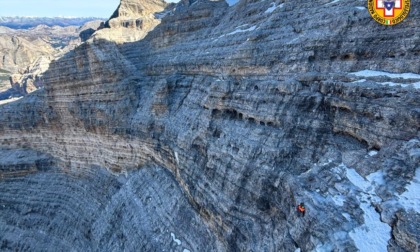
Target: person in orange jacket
[[301, 209]]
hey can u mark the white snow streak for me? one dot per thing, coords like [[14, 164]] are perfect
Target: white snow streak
[[240, 30], [176, 157], [175, 240], [335, 1], [372, 153], [360, 8], [416, 85], [338, 200], [10, 100], [273, 7], [376, 178], [373, 235], [372, 73], [357, 180], [393, 84], [361, 80], [410, 199], [346, 215]]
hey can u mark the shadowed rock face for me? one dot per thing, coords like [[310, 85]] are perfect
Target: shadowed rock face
[[89, 28], [115, 212], [207, 133]]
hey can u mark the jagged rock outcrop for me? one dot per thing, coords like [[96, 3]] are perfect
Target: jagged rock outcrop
[[406, 232], [132, 20], [88, 29], [205, 135]]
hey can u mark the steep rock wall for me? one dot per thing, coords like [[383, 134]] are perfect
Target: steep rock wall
[[132, 20], [246, 111]]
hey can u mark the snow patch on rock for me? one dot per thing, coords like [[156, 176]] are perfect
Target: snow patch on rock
[[273, 7], [177, 241], [176, 157], [373, 235], [372, 73], [393, 84], [12, 99], [240, 30], [333, 2], [410, 199]]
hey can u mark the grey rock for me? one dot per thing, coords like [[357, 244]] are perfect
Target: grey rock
[[89, 28], [244, 113], [406, 231], [132, 20]]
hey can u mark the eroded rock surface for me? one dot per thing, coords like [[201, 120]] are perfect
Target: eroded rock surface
[[206, 134], [27, 53], [132, 20]]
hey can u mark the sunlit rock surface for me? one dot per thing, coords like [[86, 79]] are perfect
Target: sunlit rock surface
[[206, 134], [132, 20]]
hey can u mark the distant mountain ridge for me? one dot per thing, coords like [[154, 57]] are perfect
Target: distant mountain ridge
[[29, 22]]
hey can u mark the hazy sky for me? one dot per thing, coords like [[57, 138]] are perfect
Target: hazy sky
[[54, 8]]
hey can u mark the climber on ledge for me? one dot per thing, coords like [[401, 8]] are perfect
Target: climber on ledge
[[301, 209]]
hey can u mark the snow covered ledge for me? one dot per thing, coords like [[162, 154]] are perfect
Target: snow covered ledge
[[405, 76], [371, 206], [374, 234]]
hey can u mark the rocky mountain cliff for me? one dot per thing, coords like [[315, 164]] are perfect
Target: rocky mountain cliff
[[27, 53], [132, 21], [207, 133]]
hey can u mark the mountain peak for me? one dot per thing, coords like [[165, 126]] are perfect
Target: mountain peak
[[137, 16], [135, 8]]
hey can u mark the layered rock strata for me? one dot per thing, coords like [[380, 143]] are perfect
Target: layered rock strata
[[205, 135], [132, 20]]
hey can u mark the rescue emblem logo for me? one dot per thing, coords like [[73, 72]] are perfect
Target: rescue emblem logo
[[389, 12]]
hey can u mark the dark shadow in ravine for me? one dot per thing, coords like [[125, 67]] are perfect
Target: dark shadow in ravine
[[9, 94]]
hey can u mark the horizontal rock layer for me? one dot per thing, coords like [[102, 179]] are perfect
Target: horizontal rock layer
[[244, 112]]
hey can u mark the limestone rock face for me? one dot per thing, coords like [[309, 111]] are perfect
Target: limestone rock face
[[31, 80], [134, 8], [132, 20], [27, 53], [17, 163], [17, 52], [207, 133]]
